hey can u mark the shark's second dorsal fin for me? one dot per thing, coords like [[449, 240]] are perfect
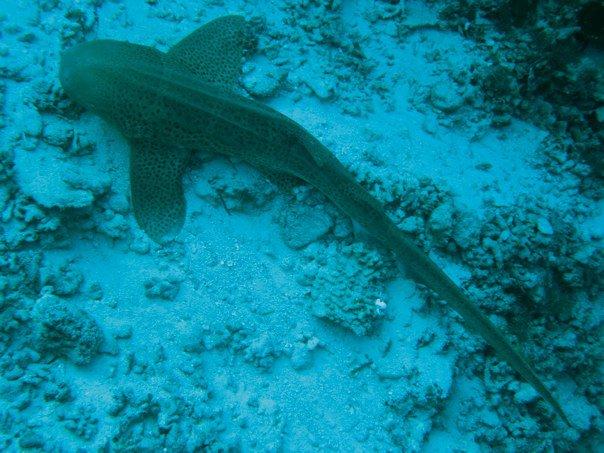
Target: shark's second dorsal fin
[[213, 52]]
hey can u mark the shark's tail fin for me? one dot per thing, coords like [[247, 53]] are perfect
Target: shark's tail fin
[[425, 271]]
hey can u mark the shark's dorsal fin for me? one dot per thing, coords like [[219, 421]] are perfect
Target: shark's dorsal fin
[[156, 187], [213, 52]]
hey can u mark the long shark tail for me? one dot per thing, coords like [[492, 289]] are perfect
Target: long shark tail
[[425, 271], [326, 173]]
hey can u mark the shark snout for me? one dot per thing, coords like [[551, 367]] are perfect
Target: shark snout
[[79, 74], [69, 70], [65, 72]]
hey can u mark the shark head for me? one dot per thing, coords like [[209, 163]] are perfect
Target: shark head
[[147, 95], [79, 72], [90, 71]]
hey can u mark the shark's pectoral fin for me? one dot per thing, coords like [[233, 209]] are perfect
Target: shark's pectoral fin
[[156, 188], [213, 52]]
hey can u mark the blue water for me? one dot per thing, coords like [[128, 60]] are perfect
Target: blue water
[[272, 322]]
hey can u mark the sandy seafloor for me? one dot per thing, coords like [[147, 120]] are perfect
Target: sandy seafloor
[[272, 323]]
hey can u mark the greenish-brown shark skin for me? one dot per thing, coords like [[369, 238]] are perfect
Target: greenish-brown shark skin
[[169, 104]]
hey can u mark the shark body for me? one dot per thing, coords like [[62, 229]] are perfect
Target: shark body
[[169, 104]]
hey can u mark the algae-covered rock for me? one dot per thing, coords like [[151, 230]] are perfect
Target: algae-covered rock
[[301, 225], [236, 189], [62, 277], [345, 285], [65, 331], [262, 79], [163, 285], [446, 97], [257, 348], [53, 182]]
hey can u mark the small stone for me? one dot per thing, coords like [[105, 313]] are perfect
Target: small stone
[[444, 97], [31, 440], [584, 254], [122, 332], [321, 84], [411, 224], [525, 394], [14, 374], [164, 287], [312, 343], [32, 122], [544, 226], [261, 85], [430, 125], [441, 218], [300, 358], [483, 166], [302, 225], [140, 244], [58, 134], [321, 89]]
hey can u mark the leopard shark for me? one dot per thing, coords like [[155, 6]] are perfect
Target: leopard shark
[[169, 104]]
